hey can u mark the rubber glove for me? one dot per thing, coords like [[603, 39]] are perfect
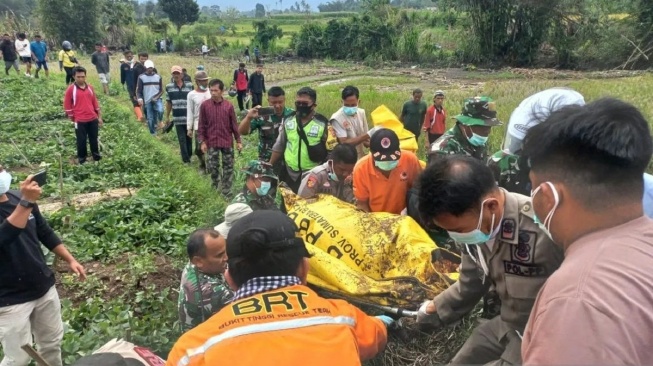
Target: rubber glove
[[425, 318], [388, 321]]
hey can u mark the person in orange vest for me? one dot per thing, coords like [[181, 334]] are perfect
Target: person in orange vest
[[274, 310]]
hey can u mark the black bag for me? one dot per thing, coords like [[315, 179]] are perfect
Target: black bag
[[317, 153]]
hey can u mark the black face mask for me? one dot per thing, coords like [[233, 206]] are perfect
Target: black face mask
[[303, 110]]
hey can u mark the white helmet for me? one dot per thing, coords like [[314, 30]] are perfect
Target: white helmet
[[533, 110], [148, 64]]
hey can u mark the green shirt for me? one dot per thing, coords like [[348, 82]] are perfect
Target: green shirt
[[268, 131], [453, 142], [510, 172], [200, 296], [413, 116]]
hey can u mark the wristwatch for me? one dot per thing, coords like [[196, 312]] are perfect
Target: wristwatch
[[27, 204]]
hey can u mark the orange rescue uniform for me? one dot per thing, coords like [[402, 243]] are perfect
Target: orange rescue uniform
[[288, 326], [386, 194]]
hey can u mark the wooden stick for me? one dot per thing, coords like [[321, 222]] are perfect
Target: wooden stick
[[35, 355], [21, 153]]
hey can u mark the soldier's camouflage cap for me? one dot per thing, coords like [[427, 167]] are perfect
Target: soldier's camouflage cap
[[478, 111], [259, 169]]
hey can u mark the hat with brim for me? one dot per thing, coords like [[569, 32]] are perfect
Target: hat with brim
[[259, 169], [478, 111], [233, 213]]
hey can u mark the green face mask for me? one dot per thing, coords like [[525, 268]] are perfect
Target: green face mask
[[386, 165]]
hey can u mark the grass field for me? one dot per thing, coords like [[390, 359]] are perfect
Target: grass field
[[134, 246], [392, 87]]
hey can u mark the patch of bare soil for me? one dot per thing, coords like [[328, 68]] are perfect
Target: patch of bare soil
[[114, 280]]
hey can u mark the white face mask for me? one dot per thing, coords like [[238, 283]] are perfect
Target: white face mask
[[546, 225], [5, 181]]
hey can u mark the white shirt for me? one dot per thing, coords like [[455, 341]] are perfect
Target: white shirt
[[350, 126], [194, 100], [23, 48], [205, 48]]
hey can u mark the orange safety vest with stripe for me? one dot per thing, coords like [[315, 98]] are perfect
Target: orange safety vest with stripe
[[288, 326]]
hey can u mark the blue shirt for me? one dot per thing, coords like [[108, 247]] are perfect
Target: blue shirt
[[648, 195], [39, 49]]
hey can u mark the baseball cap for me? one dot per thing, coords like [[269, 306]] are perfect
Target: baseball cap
[[233, 213], [201, 75], [259, 168], [175, 69], [384, 145], [279, 230], [478, 111], [148, 64], [438, 93]]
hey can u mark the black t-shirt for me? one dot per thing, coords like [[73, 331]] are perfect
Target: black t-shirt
[[8, 51], [24, 275]]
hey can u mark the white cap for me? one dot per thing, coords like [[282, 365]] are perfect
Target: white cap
[[148, 64], [233, 213], [533, 110]]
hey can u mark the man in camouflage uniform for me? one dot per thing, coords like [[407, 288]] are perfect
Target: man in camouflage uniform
[[333, 177], [267, 126], [470, 134], [203, 290], [256, 192], [509, 169]]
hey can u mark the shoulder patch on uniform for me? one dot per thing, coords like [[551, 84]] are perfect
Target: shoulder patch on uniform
[[312, 181], [524, 251], [508, 229]]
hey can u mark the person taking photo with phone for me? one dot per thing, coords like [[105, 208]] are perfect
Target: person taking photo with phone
[[82, 107], [29, 303]]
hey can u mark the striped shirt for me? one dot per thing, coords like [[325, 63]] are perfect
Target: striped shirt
[[149, 86], [217, 124], [177, 96]]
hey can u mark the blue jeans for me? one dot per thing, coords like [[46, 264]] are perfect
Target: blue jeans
[[154, 113]]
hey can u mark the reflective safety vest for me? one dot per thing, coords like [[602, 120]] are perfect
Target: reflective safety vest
[[296, 152], [288, 326]]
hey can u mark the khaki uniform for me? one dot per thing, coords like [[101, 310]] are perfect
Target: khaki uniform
[[518, 263], [317, 181]]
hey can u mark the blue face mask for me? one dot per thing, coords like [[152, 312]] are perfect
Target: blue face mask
[[331, 173], [478, 140], [475, 236], [386, 165], [350, 111], [263, 189]]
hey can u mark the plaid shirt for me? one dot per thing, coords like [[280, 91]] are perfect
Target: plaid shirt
[[263, 284], [217, 124]]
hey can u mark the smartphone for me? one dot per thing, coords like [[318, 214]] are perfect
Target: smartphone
[[41, 178], [266, 111]]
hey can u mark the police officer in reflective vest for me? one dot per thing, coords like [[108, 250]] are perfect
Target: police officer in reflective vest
[[303, 141]]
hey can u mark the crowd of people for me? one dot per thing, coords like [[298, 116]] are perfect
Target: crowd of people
[[554, 225]]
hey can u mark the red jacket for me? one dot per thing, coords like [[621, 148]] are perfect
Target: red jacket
[[434, 120], [81, 105]]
